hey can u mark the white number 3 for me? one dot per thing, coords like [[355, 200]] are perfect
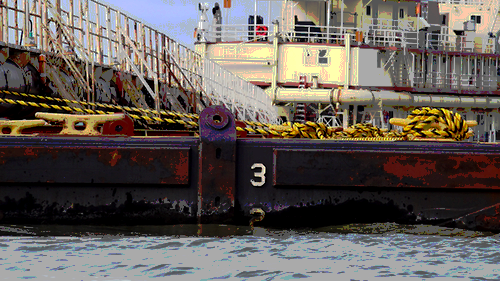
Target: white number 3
[[261, 174]]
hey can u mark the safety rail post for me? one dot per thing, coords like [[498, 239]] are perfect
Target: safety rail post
[[143, 63]]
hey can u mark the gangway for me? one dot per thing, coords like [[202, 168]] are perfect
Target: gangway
[[88, 35]]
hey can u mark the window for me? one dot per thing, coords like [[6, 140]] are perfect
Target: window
[[476, 19], [379, 60], [322, 58], [401, 13], [368, 10]]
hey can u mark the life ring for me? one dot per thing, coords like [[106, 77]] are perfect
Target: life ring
[[261, 30]]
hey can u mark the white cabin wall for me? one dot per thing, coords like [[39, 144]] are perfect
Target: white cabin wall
[[231, 56], [350, 7], [310, 11], [458, 14], [379, 9], [385, 11], [297, 60], [300, 10], [365, 70]]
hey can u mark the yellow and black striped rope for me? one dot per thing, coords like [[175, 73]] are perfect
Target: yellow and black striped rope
[[90, 111], [110, 106], [54, 106], [259, 131], [159, 119], [191, 116], [374, 139], [455, 126], [419, 126]]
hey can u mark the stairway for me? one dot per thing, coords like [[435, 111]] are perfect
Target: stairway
[[496, 26], [495, 7], [300, 113]]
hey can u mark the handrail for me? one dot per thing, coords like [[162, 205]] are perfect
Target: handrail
[[139, 74], [463, 2]]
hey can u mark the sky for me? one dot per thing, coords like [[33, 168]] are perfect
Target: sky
[[177, 19]]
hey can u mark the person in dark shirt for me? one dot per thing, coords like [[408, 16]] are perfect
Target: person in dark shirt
[[217, 20]]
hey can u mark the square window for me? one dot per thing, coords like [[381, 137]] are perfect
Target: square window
[[368, 10], [322, 60]]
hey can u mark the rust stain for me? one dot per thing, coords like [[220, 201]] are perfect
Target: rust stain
[[490, 222], [29, 151], [115, 158], [173, 164], [26, 154], [181, 168], [228, 190], [475, 166], [210, 168], [405, 166], [141, 158]]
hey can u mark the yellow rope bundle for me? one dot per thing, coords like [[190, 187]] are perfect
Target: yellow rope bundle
[[421, 123]]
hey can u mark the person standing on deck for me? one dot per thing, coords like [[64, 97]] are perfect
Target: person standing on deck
[[217, 20]]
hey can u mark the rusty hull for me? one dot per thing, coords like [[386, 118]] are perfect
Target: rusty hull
[[218, 178], [96, 180]]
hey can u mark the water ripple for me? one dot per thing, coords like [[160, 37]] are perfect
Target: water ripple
[[274, 255]]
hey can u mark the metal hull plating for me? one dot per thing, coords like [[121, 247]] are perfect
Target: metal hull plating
[[218, 178]]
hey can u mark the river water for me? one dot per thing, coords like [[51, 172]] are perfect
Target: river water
[[213, 252]]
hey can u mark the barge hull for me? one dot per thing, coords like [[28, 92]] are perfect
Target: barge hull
[[218, 178]]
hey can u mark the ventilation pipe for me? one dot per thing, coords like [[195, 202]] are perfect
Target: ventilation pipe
[[389, 98]]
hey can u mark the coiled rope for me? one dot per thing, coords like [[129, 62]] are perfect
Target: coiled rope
[[421, 123]]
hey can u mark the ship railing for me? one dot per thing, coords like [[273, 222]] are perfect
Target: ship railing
[[330, 120], [380, 23], [448, 42], [238, 32], [323, 34], [244, 99], [454, 81], [463, 2], [388, 37], [383, 33]]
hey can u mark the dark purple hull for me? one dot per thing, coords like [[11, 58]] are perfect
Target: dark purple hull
[[218, 178]]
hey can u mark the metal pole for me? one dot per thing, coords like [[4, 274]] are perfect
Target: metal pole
[[26, 21], [275, 60], [328, 21], [255, 20], [347, 60], [59, 28], [342, 17], [269, 16]]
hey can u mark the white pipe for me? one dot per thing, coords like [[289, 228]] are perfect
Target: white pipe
[[347, 38], [303, 95], [388, 98], [355, 97]]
